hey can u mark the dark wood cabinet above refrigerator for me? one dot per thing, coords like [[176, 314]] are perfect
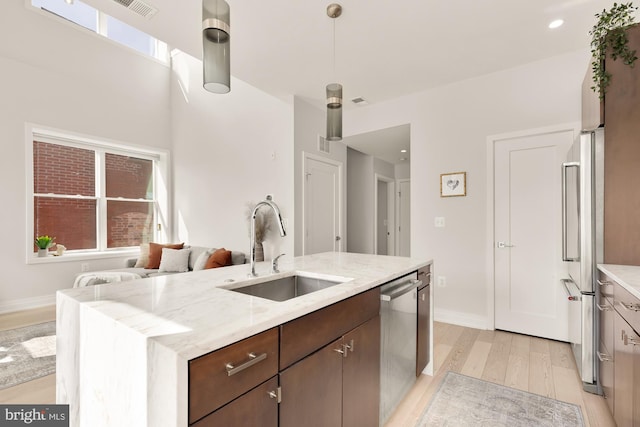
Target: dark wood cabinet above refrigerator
[[620, 115]]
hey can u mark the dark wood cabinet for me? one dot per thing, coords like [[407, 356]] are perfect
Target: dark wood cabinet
[[339, 385], [619, 351], [424, 320], [258, 407], [622, 160], [312, 389], [361, 376], [625, 362]]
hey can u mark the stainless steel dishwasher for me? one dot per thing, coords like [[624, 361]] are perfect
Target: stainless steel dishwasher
[[399, 318]]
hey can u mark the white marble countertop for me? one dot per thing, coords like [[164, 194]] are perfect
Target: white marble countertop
[[192, 314], [628, 276]]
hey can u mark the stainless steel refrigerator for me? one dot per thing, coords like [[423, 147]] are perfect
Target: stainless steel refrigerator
[[582, 225]]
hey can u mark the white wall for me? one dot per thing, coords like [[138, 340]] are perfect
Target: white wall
[[56, 75], [228, 150], [403, 171], [360, 188], [309, 123], [449, 129]]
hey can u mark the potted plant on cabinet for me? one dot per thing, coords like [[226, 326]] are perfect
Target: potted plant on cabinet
[[609, 36], [44, 243]]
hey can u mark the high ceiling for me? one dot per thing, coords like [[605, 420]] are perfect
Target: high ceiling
[[384, 49]]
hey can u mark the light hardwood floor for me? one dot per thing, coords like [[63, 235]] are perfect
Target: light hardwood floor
[[533, 364]]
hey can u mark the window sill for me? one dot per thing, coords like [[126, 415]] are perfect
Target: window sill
[[79, 257]]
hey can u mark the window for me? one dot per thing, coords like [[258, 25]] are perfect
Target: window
[[105, 25], [92, 197]]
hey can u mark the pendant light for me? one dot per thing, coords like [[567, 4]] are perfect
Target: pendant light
[[216, 41], [334, 90]]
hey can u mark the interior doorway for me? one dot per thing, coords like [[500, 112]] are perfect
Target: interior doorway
[[322, 205], [384, 215], [528, 296], [404, 217]]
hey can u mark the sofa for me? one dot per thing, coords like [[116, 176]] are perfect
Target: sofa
[[173, 261]]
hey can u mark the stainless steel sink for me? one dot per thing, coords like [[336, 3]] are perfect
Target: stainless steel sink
[[286, 288]]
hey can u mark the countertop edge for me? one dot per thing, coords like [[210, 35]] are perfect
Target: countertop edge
[[621, 273]]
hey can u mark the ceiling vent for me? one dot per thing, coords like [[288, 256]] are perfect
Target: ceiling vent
[[359, 101], [324, 146], [141, 8]]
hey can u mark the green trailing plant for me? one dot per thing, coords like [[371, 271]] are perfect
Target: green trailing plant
[[609, 33], [44, 242]]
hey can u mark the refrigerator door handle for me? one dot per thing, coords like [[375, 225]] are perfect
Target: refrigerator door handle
[[565, 167], [570, 296]]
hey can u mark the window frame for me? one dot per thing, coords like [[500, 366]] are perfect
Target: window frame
[[162, 50], [100, 147]]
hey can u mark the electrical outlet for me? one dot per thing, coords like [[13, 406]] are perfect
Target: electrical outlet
[[84, 267], [442, 282], [439, 221]]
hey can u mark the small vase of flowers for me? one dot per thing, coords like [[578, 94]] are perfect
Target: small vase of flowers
[[44, 243]]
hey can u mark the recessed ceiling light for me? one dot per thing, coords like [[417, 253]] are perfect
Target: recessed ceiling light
[[403, 151], [402, 159], [555, 24]]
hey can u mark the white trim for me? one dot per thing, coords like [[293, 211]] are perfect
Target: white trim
[[11, 306], [377, 178], [341, 202], [397, 202], [461, 319], [160, 173], [490, 243]]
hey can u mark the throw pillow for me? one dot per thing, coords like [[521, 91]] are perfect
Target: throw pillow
[[202, 259], [174, 260], [143, 259], [220, 258], [155, 253]]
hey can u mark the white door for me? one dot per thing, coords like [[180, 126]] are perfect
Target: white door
[[321, 206], [404, 218], [529, 297]]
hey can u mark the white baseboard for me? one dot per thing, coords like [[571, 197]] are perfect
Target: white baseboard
[[460, 319], [26, 303]]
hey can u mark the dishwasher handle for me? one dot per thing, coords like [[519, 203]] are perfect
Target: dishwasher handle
[[398, 291]]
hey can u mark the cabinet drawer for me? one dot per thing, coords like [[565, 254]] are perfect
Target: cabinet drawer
[[606, 312], [212, 383], [606, 366], [605, 284], [628, 306], [307, 334], [256, 408]]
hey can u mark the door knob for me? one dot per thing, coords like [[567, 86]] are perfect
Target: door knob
[[338, 238], [502, 245]]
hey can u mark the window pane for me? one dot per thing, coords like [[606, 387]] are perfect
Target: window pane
[[129, 36], [71, 221], [129, 223], [129, 177], [77, 12], [59, 169]]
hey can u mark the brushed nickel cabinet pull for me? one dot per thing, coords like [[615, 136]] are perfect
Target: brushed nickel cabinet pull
[[630, 307], [253, 359], [604, 308], [604, 283], [604, 357], [276, 394]]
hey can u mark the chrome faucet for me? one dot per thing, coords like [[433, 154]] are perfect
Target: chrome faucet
[[252, 237], [274, 264]]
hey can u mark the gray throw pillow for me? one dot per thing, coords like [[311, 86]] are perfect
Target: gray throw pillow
[[174, 260], [201, 261]]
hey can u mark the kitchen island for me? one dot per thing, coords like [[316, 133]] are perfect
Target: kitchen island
[[124, 348]]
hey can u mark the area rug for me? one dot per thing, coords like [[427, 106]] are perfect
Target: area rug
[[27, 353], [465, 401]]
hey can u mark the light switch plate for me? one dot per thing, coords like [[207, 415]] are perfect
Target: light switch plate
[[439, 221]]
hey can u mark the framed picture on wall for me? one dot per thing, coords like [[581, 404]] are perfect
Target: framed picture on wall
[[453, 184]]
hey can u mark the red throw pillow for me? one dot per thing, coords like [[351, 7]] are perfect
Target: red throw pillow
[[220, 258], [155, 253]]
